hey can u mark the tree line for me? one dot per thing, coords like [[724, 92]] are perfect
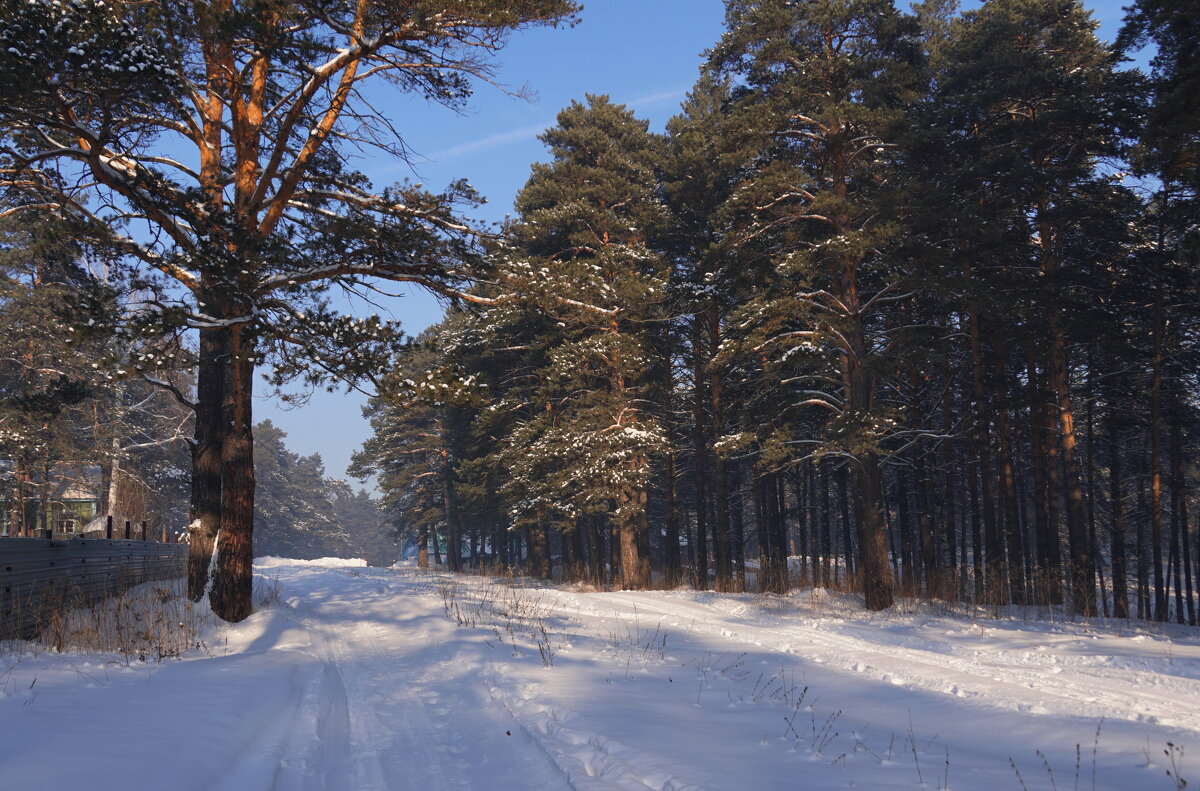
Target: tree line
[[300, 512], [909, 298]]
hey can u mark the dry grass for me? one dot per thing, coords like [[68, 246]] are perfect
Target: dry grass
[[148, 622], [518, 616]]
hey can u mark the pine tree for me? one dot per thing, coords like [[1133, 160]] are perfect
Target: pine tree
[[421, 420], [358, 515], [1171, 138], [1169, 150], [41, 373], [579, 253], [831, 81], [884, 298]]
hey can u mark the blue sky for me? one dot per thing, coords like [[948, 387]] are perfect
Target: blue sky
[[642, 53]]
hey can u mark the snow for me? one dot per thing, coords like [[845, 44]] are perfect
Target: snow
[[367, 678], [272, 562]]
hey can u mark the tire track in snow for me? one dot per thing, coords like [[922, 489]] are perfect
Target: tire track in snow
[[375, 732], [412, 719], [265, 762]]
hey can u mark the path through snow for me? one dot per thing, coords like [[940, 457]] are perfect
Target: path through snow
[[374, 680]]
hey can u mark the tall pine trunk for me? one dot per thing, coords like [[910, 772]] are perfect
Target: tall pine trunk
[[868, 478], [976, 534], [1119, 573], [946, 458], [1083, 592], [1008, 487], [760, 534], [635, 566], [872, 538], [453, 526], [1180, 515], [1093, 540], [847, 527], [1160, 588], [700, 447], [777, 532], [671, 559], [723, 545], [1143, 551], [1045, 490], [233, 570], [995, 574], [210, 430]]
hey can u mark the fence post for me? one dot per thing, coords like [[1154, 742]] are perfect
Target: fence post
[[127, 529], [108, 527], [164, 534]]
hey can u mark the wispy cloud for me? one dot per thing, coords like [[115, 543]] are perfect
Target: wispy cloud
[[653, 99], [501, 139], [491, 141]]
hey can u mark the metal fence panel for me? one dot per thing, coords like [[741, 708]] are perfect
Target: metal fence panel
[[40, 577]]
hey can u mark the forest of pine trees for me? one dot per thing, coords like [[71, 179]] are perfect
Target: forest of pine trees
[[901, 303]]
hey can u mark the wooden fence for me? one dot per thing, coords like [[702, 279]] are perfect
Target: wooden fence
[[40, 577]]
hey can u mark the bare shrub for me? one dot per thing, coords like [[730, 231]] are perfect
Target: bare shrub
[[518, 616]]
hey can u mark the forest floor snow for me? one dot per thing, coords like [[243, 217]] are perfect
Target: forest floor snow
[[369, 679]]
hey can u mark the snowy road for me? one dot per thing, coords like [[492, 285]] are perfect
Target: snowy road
[[373, 680]]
